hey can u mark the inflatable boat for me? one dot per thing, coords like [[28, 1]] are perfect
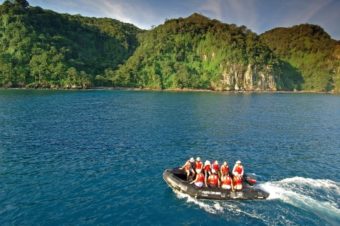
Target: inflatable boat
[[176, 179]]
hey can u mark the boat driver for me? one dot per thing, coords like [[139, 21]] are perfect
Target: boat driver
[[188, 167]]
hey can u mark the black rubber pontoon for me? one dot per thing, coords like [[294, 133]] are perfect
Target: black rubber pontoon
[[176, 179]]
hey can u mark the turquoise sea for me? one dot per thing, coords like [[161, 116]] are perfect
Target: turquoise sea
[[96, 157]]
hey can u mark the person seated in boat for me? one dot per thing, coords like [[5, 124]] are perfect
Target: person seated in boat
[[199, 180], [213, 180], [206, 170], [227, 181], [188, 168], [215, 166], [198, 165], [237, 183], [238, 170], [224, 168]]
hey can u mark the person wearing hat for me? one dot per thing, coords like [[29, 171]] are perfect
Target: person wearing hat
[[215, 166], [224, 168], [238, 172], [188, 167], [207, 167], [238, 169], [198, 165]]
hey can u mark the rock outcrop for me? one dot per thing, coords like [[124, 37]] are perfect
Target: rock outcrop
[[237, 77]]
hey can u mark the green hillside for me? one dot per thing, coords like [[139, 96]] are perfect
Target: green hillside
[[310, 50], [41, 48], [44, 49], [197, 52]]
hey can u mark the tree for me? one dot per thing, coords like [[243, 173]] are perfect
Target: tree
[[22, 3], [6, 70], [39, 67]]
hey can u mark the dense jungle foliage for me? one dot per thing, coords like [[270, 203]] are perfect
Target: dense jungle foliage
[[193, 52], [44, 49], [310, 50], [41, 48]]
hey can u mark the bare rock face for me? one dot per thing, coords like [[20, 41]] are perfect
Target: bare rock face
[[336, 79], [247, 78]]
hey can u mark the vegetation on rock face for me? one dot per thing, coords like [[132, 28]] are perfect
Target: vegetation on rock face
[[41, 48], [197, 52], [311, 51]]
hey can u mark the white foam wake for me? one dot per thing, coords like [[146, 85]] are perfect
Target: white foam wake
[[319, 196], [214, 209], [314, 183]]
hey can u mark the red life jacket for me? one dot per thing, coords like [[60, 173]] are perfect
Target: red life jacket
[[224, 169], [200, 178], [213, 180], [239, 169], [237, 181], [226, 180], [216, 167], [199, 165], [207, 168]]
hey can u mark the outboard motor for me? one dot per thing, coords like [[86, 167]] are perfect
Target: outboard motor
[[249, 180]]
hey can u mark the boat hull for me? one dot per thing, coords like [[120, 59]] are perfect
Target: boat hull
[[174, 178]]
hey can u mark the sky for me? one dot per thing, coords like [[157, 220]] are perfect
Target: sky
[[258, 15]]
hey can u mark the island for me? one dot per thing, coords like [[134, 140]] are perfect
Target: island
[[43, 49]]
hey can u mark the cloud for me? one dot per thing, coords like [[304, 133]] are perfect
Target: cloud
[[212, 7], [301, 12], [139, 14], [246, 12], [240, 12], [328, 17]]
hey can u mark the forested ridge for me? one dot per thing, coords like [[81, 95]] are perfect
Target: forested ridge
[[310, 50], [197, 52], [44, 49]]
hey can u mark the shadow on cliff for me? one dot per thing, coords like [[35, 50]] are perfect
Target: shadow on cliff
[[291, 77]]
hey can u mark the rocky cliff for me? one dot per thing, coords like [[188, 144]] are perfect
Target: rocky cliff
[[197, 52]]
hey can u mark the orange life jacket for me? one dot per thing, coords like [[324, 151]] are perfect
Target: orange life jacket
[[237, 181], [224, 169], [200, 178], [226, 180], [199, 165], [239, 169], [213, 180], [216, 167]]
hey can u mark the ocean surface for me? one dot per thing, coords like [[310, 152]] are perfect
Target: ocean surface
[[96, 157]]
